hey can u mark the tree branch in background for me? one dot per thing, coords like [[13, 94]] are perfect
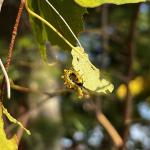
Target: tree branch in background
[[104, 42], [110, 129], [130, 59], [24, 118], [20, 131], [102, 119], [14, 34], [30, 90], [114, 135], [104, 20]]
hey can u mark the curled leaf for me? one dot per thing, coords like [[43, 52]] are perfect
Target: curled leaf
[[92, 78]]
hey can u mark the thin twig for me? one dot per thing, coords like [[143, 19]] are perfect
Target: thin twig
[[25, 116], [14, 34], [67, 25], [30, 90], [12, 42]]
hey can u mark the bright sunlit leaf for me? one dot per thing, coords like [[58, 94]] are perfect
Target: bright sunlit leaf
[[135, 86], [92, 78], [122, 91], [95, 3]]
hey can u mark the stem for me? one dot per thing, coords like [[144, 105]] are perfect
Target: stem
[[48, 24], [30, 90], [14, 34], [11, 46], [6, 78], [64, 22], [113, 133], [28, 114], [110, 129]]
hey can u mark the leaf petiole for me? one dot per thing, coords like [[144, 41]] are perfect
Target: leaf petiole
[[47, 23], [64, 22]]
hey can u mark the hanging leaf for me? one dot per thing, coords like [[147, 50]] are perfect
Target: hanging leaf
[[92, 77], [8, 144], [69, 10], [95, 3]]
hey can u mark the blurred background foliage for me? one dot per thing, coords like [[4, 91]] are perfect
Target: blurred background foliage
[[61, 120]]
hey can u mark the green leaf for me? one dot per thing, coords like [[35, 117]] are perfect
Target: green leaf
[[8, 144], [38, 29], [92, 77], [95, 3], [13, 120], [70, 11]]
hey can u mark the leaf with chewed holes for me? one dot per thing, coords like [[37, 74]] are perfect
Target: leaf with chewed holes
[[70, 11], [92, 77]]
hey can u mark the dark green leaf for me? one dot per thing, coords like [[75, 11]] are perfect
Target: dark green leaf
[[70, 11]]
